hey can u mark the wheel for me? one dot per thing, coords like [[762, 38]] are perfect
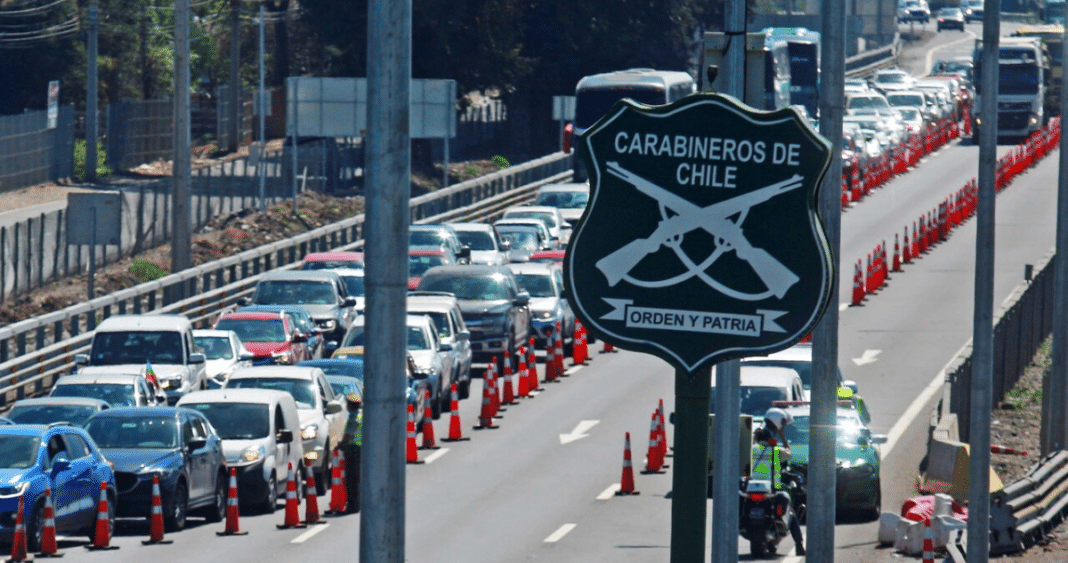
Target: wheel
[[324, 473], [876, 509], [757, 547], [267, 504], [435, 405], [35, 529], [217, 510], [175, 515], [464, 388], [111, 522]]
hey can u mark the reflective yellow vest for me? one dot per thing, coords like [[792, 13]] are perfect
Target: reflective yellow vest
[[768, 467]]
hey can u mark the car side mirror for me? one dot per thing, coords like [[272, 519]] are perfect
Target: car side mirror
[[81, 359], [243, 301], [463, 335], [445, 348], [465, 252], [299, 337], [284, 436], [246, 357], [522, 299], [197, 358], [332, 407], [506, 245], [350, 301], [60, 464], [879, 438], [197, 443]]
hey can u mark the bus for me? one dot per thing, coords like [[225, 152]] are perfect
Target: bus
[[596, 94], [1052, 35], [767, 80], [802, 53]]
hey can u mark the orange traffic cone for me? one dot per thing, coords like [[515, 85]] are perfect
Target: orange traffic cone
[[558, 351], [607, 348], [485, 417], [653, 459], [584, 341], [338, 493], [509, 388], [896, 267], [577, 359], [928, 543], [494, 388], [18, 541], [532, 367], [428, 426], [626, 483], [292, 516], [155, 531], [49, 546], [411, 451], [102, 537], [550, 358], [232, 510], [523, 382], [455, 432], [906, 250], [311, 499], [663, 433]]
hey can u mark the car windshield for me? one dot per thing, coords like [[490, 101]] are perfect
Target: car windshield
[[542, 216], [755, 400], [910, 114], [134, 432], [863, 102], [418, 264], [537, 285], [890, 78], [331, 264], [47, 414], [470, 288], [441, 322], [417, 339], [425, 238], [236, 421], [353, 368], [137, 347], [354, 285], [255, 330], [18, 452], [912, 100], [115, 394], [215, 347], [563, 200], [295, 292], [300, 389], [848, 430], [477, 240], [520, 240]]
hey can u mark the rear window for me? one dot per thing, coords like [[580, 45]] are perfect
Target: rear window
[[47, 414], [471, 288], [115, 394], [755, 400], [295, 292], [300, 389], [136, 347]]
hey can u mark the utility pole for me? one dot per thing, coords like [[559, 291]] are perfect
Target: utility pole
[[261, 111], [181, 242], [235, 76], [90, 96]]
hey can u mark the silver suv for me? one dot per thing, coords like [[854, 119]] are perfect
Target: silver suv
[[444, 310]]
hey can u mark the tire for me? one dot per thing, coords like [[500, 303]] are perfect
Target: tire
[[35, 529], [177, 511], [435, 406], [463, 390], [217, 510], [268, 503], [758, 548], [873, 513], [324, 473], [111, 521]]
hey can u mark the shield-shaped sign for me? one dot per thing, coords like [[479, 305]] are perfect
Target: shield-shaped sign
[[701, 241]]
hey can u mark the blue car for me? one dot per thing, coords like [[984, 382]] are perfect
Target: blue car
[[63, 458], [177, 444]]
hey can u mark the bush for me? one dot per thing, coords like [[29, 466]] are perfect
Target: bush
[[501, 162], [146, 271], [79, 160]]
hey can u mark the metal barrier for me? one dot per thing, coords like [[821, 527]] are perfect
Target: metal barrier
[[35, 352], [1026, 510]]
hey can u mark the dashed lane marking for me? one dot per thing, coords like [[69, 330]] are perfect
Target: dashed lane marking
[[609, 492], [437, 453], [310, 533], [560, 533]]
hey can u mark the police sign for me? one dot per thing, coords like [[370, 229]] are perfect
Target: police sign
[[701, 241]]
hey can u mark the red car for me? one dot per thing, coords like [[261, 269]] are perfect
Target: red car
[[269, 336], [332, 261], [548, 256], [422, 259]]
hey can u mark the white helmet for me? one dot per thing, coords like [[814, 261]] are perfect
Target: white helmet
[[777, 418]]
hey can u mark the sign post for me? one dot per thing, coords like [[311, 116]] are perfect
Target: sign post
[[721, 254]]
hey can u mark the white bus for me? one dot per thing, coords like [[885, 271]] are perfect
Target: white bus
[[597, 93]]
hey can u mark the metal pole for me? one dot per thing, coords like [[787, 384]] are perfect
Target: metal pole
[[689, 478], [91, 95], [235, 77], [181, 243], [263, 145], [389, 80], [1054, 420], [91, 290], [983, 318], [824, 392], [727, 468]]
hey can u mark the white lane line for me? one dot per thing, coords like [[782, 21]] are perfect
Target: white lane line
[[560, 533], [311, 533], [609, 492], [843, 306], [930, 53], [573, 369], [913, 411], [437, 453]]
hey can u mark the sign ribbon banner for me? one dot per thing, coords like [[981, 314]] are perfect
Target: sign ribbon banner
[[693, 321]]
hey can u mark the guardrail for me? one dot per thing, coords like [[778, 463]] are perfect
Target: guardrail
[[35, 352], [1026, 510], [867, 62]]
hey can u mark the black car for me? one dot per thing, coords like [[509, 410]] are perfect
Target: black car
[[494, 309], [177, 444], [950, 18]]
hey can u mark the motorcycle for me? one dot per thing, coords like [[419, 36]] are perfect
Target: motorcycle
[[763, 514]]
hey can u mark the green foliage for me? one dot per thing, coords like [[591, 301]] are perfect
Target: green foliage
[[79, 160], [501, 162], [146, 271]]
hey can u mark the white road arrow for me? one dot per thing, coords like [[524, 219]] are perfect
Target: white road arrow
[[579, 432], [868, 357]]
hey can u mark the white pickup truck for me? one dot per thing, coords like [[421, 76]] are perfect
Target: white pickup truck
[[132, 343]]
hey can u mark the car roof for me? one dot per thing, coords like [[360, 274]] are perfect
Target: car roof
[[26, 429], [103, 378], [331, 361], [546, 268], [209, 332], [326, 256], [431, 227], [795, 352], [485, 227], [281, 372], [776, 376], [271, 309], [432, 298], [143, 412], [410, 319], [82, 401], [565, 187], [537, 208], [253, 315], [242, 395], [467, 270], [426, 251], [308, 275], [144, 323]]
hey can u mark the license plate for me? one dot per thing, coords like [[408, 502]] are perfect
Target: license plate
[[756, 513]]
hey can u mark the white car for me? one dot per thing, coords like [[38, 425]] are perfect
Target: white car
[[554, 221], [322, 420], [798, 358], [224, 352], [483, 243], [892, 80], [570, 199], [760, 386]]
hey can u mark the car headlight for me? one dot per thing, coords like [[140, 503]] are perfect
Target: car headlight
[[309, 432], [14, 490], [283, 357], [254, 454], [545, 315], [328, 324], [163, 472]]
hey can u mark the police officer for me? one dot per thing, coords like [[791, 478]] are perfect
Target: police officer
[[773, 452], [351, 444], [846, 393]]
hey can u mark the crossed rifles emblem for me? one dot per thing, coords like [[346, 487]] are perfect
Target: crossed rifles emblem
[[717, 220]]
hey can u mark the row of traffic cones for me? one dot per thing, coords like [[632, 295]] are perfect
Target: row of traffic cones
[[654, 459], [49, 546]]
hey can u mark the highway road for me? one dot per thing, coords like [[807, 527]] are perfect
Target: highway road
[[540, 486]]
